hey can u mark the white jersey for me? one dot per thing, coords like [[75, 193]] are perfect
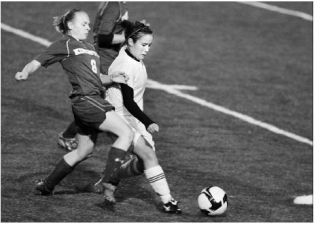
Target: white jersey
[[137, 74], [137, 80]]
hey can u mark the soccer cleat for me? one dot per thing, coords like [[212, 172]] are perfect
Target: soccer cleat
[[94, 188], [98, 187], [171, 207], [42, 188], [91, 188], [67, 143], [108, 193]]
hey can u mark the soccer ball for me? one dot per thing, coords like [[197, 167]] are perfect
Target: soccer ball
[[213, 201]]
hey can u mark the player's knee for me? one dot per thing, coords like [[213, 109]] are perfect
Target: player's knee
[[84, 151], [127, 136], [149, 156]]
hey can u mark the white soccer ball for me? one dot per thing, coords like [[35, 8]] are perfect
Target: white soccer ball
[[213, 201]]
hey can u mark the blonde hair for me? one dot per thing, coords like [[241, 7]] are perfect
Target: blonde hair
[[61, 22]]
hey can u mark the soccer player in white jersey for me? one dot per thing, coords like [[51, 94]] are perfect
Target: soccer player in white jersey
[[128, 102]]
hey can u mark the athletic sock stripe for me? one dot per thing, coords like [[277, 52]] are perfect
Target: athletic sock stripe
[[153, 181], [156, 178]]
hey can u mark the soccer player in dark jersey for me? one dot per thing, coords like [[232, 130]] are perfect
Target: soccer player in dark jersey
[[108, 29], [92, 113], [108, 32]]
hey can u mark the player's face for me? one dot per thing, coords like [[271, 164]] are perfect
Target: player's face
[[80, 26], [141, 47]]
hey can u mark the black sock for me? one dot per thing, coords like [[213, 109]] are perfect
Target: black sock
[[113, 164], [71, 131], [134, 167], [61, 170]]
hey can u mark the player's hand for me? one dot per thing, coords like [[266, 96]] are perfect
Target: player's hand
[[143, 21], [20, 76], [119, 77], [125, 16], [153, 128]]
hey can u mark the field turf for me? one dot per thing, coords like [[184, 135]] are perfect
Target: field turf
[[253, 61]]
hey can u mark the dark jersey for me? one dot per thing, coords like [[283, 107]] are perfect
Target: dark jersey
[[108, 22], [81, 63]]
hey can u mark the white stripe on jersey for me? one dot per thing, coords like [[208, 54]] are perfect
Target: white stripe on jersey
[[67, 44]]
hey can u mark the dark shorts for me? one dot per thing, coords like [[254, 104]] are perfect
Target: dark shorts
[[89, 113]]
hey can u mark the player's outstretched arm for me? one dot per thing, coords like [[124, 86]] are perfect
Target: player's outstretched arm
[[29, 68], [117, 77]]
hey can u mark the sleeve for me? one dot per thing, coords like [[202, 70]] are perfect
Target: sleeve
[[56, 52], [132, 107], [104, 40]]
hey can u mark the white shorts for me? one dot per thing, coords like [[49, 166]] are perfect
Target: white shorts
[[139, 130]]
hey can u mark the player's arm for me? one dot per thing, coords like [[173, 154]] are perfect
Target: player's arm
[[56, 52], [118, 38], [105, 40], [29, 68], [117, 77], [133, 108]]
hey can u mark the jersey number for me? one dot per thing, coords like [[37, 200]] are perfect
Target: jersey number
[[94, 66]]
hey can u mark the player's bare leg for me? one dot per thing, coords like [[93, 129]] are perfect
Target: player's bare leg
[[66, 165], [117, 153]]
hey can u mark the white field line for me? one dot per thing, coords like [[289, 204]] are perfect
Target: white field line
[[46, 43], [24, 34], [174, 91], [248, 119], [280, 10], [304, 200], [177, 87]]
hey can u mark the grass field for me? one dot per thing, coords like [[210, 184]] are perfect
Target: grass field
[[247, 59]]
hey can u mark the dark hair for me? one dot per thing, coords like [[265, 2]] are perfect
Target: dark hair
[[136, 30], [61, 22]]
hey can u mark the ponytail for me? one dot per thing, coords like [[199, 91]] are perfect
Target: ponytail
[[61, 22]]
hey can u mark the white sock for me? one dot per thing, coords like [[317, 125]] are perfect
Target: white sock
[[158, 182]]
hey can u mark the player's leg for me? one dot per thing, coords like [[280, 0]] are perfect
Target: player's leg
[[67, 138], [67, 164], [115, 124], [135, 166], [155, 175], [132, 166]]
